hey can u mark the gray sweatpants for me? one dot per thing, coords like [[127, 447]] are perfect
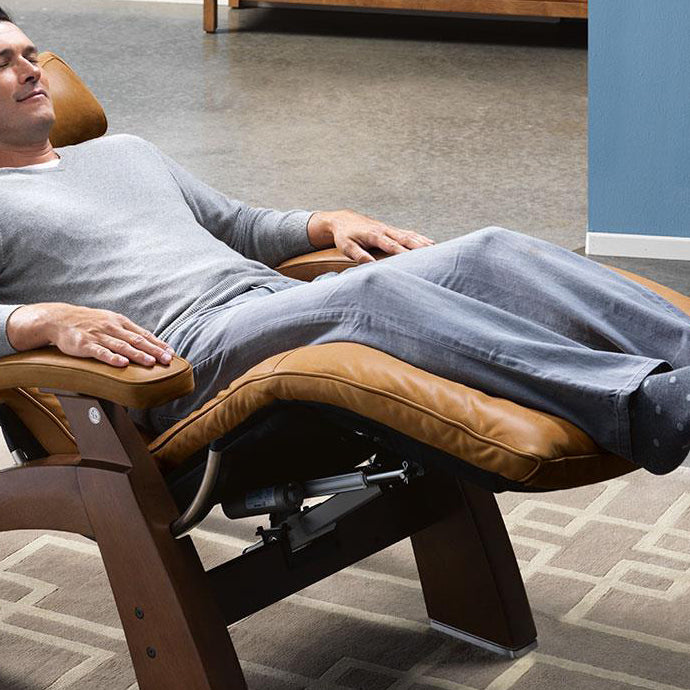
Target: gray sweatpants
[[505, 313]]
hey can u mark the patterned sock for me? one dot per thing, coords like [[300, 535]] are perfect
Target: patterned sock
[[660, 421]]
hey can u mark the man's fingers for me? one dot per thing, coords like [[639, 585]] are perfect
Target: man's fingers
[[103, 354], [356, 253], [146, 341], [388, 244], [108, 337], [423, 238], [148, 335], [410, 239], [135, 352]]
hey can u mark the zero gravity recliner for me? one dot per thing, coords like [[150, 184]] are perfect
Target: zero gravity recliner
[[393, 450]]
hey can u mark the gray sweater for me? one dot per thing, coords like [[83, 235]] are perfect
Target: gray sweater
[[118, 225]]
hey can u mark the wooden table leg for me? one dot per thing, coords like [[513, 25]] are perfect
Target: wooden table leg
[[472, 585], [210, 16]]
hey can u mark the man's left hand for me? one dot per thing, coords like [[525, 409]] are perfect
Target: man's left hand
[[352, 233]]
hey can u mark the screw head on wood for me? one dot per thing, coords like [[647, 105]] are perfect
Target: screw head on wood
[[151, 652], [139, 612], [94, 415]]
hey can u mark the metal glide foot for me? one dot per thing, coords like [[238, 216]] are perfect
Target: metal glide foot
[[484, 644]]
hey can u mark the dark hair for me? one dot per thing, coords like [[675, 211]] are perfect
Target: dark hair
[[4, 17]]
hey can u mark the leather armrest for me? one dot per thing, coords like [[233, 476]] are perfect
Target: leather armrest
[[308, 266], [132, 386]]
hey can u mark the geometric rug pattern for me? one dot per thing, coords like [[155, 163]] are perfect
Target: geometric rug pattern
[[606, 567]]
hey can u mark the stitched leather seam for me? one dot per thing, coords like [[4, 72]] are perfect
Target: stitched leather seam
[[425, 410]]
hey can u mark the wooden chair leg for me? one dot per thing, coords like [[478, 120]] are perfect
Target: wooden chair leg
[[472, 586], [175, 630], [210, 16]]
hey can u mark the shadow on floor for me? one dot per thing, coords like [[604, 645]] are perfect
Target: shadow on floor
[[421, 27]]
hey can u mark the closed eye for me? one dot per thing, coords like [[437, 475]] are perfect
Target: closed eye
[[32, 60]]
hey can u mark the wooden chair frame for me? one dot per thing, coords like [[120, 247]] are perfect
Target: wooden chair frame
[[174, 613]]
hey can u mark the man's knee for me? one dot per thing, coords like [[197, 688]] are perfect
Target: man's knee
[[496, 245], [495, 235], [372, 281]]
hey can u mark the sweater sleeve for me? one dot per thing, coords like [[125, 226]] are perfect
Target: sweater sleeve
[[262, 234], [5, 312]]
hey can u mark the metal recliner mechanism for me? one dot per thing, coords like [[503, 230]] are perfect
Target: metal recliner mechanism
[[283, 503], [300, 526]]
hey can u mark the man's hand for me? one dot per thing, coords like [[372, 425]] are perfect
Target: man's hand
[[352, 233], [85, 332]]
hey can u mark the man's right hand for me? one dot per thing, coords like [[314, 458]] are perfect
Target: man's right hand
[[85, 332]]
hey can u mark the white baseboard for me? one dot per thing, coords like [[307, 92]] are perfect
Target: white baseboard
[[638, 246]]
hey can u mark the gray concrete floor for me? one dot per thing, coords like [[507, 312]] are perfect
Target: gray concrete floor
[[441, 124], [445, 125]]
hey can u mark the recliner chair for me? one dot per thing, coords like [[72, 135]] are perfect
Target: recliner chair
[[399, 452]]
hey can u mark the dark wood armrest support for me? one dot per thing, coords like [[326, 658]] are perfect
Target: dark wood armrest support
[[132, 386]]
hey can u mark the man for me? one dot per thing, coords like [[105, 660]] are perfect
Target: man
[[113, 251]]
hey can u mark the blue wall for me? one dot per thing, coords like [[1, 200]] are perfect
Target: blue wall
[[639, 117]]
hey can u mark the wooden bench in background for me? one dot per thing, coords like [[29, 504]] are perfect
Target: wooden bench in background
[[537, 8]]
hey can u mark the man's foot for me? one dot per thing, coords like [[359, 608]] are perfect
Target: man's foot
[[660, 421]]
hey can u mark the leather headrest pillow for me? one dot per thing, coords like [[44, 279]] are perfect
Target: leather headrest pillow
[[79, 116]]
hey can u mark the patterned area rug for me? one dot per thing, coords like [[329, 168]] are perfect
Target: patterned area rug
[[607, 570]]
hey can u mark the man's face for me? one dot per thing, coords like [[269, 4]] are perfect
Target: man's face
[[26, 110]]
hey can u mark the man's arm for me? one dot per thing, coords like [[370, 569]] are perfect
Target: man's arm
[[271, 236], [7, 347], [82, 332], [262, 234]]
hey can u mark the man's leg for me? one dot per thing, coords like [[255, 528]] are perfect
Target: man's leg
[[430, 326], [556, 288], [587, 302]]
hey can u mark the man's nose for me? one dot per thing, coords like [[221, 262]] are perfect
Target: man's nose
[[30, 71]]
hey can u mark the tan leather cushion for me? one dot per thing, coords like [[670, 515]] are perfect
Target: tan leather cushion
[[79, 116], [497, 435]]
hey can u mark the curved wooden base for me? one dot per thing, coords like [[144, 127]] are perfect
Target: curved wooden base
[[174, 614], [114, 493]]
